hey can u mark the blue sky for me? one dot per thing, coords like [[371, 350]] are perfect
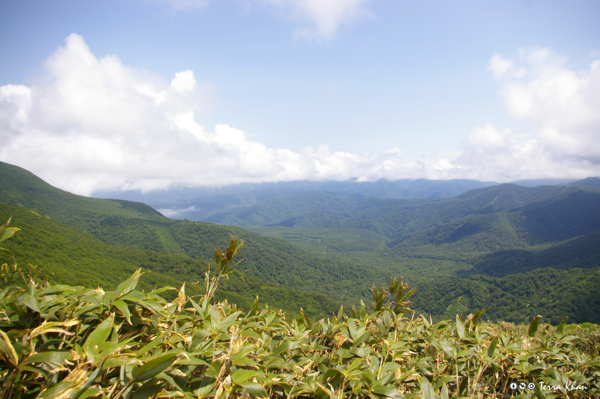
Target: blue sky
[[298, 89]]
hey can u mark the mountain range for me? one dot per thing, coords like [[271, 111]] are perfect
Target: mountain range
[[319, 245]]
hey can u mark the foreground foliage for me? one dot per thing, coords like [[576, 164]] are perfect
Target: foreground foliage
[[60, 341]]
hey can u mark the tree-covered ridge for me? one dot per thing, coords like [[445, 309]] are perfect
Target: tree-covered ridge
[[22, 188], [79, 258], [553, 294], [131, 224]]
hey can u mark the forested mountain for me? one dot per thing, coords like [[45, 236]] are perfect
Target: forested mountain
[[589, 182], [570, 212], [317, 249], [69, 255], [516, 298], [199, 204], [530, 215], [138, 226]]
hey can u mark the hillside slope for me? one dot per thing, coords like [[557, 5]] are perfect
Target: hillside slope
[[551, 293], [71, 256], [138, 226]]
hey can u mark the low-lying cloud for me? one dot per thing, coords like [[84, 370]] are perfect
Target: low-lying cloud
[[96, 124]]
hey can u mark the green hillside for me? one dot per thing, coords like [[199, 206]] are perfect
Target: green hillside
[[277, 210], [22, 188], [389, 217], [516, 298], [71, 256], [135, 225], [581, 252], [502, 231]]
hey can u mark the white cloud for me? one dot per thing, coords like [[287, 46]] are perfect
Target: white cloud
[[563, 105], [504, 68], [318, 19], [96, 124], [500, 66]]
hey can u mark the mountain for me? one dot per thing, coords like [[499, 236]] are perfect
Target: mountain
[[589, 182], [67, 255], [516, 298], [317, 249], [135, 225], [570, 212], [543, 182], [201, 203], [391, 218]]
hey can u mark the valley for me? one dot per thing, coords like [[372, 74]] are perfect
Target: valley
[[320, 249]]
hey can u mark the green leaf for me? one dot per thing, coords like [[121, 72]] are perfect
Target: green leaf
[[340, 313], [426, 388], [30, 301], [3, 293], [228, 321], [52, 357], [362, 338], [128, 285], [89, 393], [363, 310], [149, 389], [561, 327], [533, 327], [476, 316], [283, 347], [100, 334], [89, 382], [239, 356], [444, 394], [492, 347], [122, 306], [351, 328], [153, 367], [57, 390], [390, 392], [538, 392], [168, 379], [242, 375], [7, 232], [6, 251], [254, 389], [329, 393], [156, 341]]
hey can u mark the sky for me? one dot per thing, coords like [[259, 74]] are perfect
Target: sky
[[146, 94]]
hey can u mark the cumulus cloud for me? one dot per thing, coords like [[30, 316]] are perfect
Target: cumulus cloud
[[96, 124], [563, 105]]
